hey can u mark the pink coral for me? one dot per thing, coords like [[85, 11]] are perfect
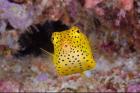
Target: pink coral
[[120, 15], [8, 86], [99, 11], [127, 4], [91, 3]]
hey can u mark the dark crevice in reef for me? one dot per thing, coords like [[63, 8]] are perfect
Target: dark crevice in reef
[[31, 42]]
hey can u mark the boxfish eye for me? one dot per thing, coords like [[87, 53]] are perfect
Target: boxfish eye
[[78, 31]]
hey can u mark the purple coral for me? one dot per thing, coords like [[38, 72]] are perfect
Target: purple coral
[[42, 77], [72, 8], [2, 26], [133, 88], [17, 15]]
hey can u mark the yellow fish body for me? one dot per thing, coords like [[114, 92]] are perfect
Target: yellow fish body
[[72, 52]]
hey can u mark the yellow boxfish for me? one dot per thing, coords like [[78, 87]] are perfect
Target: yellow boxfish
[[72, 52]]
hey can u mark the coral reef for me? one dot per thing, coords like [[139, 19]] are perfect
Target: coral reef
[[112, 27]]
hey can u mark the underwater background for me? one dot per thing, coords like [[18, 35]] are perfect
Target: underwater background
[[111, 26]]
